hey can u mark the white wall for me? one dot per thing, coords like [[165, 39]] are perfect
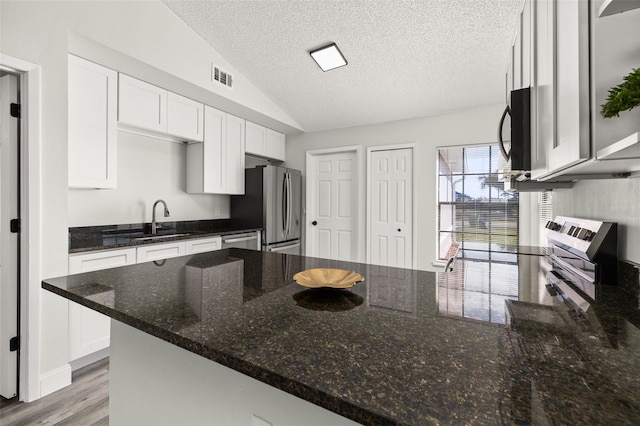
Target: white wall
[[472, 126], [40, 32], [148, 169], [611, 200]]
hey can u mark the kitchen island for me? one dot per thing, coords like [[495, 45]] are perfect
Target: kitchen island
[[218, 337]]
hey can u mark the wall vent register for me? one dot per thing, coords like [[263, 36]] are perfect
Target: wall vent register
[[221, 77]]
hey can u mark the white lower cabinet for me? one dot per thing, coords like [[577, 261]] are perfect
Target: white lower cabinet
[[89, 331], [202, 245], [160, 251]]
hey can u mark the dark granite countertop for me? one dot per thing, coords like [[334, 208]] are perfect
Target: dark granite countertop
[[89, 238], [402, 347]]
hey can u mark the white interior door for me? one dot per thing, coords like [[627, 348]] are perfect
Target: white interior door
[[8, 240], [332, 210], [391, 208]]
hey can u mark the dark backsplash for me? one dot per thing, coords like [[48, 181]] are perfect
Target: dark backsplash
[[85, 238]]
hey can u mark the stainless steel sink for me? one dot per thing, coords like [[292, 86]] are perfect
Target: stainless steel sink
[[157, 237]]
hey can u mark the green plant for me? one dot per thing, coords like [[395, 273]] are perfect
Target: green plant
[[624, 96]]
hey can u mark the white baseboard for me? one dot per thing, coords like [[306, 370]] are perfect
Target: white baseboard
[[54, 380], [89, 359]]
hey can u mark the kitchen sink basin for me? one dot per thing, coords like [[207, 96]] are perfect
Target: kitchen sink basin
[[156, 237]]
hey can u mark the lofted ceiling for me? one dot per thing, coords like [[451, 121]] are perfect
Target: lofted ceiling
[[405, 58]]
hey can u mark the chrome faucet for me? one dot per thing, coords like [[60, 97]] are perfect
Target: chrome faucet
[[154, 225]]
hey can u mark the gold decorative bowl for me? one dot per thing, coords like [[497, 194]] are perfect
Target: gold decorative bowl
[[327, 277]]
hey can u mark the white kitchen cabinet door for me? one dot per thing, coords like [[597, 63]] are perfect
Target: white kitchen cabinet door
[[264, 143], [103, 259], [206, 169], [92, 124], [141, 104], [517, 60], [571, 65], [216, 166], [202, 245], [526, 37], [162, 251], [184, 117], [543, 106], [235, 144], [256, 139], [275, 145], [89, 331]]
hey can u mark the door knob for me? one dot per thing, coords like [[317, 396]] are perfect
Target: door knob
[[399, 230], [314, 223]]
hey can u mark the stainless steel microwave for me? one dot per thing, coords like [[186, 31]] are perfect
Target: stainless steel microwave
[[516, 152]]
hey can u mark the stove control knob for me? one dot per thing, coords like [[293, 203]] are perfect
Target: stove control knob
[[582, 234], [570, 231], [553, 226]]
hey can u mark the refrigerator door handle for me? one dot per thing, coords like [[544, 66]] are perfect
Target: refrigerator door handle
[[289, 204], [284, 204], [281, 248]]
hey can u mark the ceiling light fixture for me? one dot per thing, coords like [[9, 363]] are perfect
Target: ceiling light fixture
[[328, 57]]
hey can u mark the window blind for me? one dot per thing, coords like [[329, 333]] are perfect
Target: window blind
[[473, 208]]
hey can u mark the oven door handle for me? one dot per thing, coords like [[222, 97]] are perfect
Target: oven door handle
[[239, 240]]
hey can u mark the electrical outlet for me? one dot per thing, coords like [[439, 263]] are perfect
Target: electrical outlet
[[257, 421], [217, 212]]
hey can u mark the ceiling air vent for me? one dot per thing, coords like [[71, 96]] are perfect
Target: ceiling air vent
[[221, 76]]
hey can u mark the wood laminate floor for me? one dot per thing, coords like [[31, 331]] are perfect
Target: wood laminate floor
[[84, 402]]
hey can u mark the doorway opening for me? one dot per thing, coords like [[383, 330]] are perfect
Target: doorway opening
[[27, 190], [9, 234]]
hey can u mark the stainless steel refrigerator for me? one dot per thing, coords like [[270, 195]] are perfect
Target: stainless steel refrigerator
[[272, 201]]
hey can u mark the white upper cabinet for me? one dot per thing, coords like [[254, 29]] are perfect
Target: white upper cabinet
[[578, 58], [542, 107], [216, 166], [560, 95], [264, 143], [526, 43], [235, 141], [256, 139], [142, 105], [150, 108], [184, 117], [275, 145], [571, 64], [615, 53], [92, 124]]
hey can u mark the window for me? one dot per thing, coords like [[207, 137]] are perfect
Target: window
[[474, 211]]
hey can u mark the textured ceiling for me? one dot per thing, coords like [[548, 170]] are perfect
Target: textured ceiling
[[406, 58]]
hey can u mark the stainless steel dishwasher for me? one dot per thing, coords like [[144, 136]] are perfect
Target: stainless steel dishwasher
[[245, 240]]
